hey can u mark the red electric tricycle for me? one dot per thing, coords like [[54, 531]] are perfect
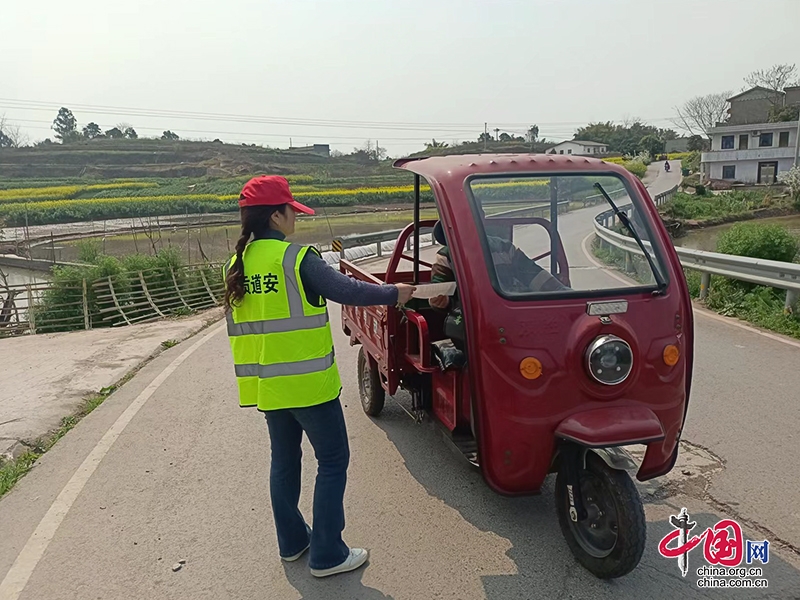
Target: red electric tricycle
[[568, 335]]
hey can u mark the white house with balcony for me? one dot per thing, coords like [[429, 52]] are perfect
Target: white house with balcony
[[750, 153], [579, 148]]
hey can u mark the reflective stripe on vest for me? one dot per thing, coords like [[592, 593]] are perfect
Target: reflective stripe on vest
[[302, 367], [275, 325], [286, 360]]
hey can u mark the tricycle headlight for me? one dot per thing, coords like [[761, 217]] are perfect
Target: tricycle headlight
[[609, 359]]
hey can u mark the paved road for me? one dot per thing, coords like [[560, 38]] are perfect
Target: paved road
[[169, 469]]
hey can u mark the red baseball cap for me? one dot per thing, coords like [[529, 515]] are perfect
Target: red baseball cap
[[270, 190]]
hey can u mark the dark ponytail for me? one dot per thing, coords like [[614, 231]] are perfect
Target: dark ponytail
[[255, 221], [234, 281]]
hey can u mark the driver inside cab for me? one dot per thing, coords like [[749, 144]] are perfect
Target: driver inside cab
[[515, 271]]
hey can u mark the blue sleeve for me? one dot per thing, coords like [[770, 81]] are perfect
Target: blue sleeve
[[319, 279]]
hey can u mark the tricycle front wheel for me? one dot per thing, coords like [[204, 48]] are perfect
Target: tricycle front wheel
[[610, 541], [373, 396]]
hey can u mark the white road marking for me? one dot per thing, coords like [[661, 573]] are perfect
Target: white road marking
[[703, 312], [18, 575], [734, 323], [600, 265]]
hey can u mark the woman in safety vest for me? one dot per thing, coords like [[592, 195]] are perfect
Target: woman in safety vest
[[283, 354]]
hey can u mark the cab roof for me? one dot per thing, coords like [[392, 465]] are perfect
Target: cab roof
[[460, 166]]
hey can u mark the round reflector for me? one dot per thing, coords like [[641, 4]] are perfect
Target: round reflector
[[530, 368], [671, 355]]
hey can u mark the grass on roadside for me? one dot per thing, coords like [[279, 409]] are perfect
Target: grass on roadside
[[14, 470], [688, 206], [639, 269], [762, 306]]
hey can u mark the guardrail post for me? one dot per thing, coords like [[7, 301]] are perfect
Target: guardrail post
[[705, 283], [338, 246], [380, 248], [791, 301], [87, 324], [628, 262], [31, 312]]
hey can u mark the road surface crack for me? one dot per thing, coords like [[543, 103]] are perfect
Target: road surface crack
[[692, 477]]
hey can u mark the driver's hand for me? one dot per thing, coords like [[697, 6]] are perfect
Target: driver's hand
[[439, 302], [404, 292]]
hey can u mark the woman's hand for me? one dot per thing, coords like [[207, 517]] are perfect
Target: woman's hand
[[440, 302], [404, 292]]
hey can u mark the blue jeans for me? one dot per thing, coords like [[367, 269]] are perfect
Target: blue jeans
[[324, 425]]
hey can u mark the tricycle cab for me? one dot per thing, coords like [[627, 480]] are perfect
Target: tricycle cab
[[575, 328]]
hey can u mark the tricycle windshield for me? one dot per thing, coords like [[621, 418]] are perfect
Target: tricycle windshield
[[538, 234]]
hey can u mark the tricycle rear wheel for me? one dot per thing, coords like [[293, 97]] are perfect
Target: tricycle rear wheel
[[373, 396], [610, 541]]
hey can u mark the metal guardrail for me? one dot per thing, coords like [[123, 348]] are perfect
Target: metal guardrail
[[354, 247], [347, 246], [360, 246], [771, 273], [659, 199], [542, 208]]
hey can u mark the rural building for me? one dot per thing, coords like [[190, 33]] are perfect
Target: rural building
[[753, 105], [751, 152], [318, 149], [579, 148]]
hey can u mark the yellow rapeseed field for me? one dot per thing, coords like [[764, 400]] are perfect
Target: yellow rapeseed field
[[68, 191]]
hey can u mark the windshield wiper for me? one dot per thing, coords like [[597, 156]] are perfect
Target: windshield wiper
[[662, 285]]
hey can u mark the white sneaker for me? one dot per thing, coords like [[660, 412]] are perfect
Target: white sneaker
[[356, 558]]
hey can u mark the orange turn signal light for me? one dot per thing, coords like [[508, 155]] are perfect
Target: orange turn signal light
[[530, 368], [671, 355]]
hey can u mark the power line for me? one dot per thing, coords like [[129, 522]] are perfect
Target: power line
[[552, 130], [305, 122], [264, 135], [233, 118]]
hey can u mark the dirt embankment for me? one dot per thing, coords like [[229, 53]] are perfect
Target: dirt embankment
[[160, 158], [679, 227]]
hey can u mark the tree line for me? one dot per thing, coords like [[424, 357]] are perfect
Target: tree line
[[630, 137], [11, 136], [65, 126]]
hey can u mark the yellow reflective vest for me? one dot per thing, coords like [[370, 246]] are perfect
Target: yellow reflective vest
[[282, 345]]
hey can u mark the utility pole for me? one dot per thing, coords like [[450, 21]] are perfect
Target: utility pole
[[797, 144], [485, 134]]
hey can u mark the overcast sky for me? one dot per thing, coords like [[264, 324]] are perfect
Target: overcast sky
[[343, 71]]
